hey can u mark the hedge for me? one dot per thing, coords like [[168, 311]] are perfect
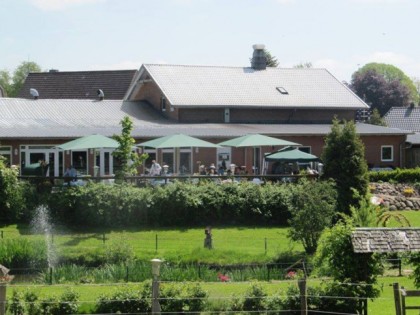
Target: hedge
[[409, 175]]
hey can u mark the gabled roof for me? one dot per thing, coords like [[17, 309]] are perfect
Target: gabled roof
[[192, 86], [385, 240], [27, 118], [78, 84], [407, 118]]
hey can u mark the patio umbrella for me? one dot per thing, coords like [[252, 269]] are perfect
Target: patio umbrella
[[89, 142], [177, 141], [291, 154], [256, 140]]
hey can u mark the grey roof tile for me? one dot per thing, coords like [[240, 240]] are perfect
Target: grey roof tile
[[386, 240], [404, 118], [78, 84], [191, 86], [23, 118]]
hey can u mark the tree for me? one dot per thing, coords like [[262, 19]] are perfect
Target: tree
[[376, 118], [303, 65], [271, 60], [312, 210], [383, 86], [13, 84], [127, 159], [344, 162], [335, 258]]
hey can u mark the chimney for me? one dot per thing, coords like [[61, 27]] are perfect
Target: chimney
[[53, 71], [259, 60]]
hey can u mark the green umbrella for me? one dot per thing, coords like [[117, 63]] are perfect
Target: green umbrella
[[177, 141], [291, 154], [255, 140], [89, 142]]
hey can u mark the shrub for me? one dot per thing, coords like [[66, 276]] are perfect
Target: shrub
[[12, 201], [312, 210], [255, 298], [23, 253], [126, 300], [179, 204], [409, 175]]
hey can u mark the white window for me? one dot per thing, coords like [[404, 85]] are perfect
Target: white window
[[387, 153]]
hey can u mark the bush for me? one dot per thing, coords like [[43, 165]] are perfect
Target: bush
[[29, 303], [12, 201], [178, 204], [23, 253], [126, 300], [409, 175]]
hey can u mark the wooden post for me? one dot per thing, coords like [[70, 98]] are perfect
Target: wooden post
[[3, 298], [397, 298], [303, 297]]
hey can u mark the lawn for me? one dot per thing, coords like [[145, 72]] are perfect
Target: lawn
[[231, 245]]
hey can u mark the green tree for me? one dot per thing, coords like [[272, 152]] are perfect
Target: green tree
[[127, 159], [354, 274], [271, 60], [312, 210], [383, 86], [13, 84], [344, 162], [303, 65], [376, 118]]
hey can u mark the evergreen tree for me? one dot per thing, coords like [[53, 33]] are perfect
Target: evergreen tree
[[376, 118], [127, 159], [345, 163]]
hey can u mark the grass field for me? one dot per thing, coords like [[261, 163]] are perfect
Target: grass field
[[231, 246]]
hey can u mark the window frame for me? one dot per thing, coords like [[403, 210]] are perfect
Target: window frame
[[382, 153]]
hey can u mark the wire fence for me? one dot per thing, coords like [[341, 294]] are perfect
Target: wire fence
[[224, 299]]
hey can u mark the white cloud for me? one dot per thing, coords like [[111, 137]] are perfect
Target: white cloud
[[123, 65], [57, 5]]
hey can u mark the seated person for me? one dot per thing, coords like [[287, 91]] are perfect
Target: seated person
[[71, 173]]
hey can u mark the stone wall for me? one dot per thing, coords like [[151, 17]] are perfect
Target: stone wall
[[397, 196]]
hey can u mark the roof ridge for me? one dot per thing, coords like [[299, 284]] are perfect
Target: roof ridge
[[228, 67]]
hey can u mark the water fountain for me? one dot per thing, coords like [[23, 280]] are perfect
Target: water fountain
[[41, 224]]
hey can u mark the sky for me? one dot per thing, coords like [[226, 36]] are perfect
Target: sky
[[339, 35]]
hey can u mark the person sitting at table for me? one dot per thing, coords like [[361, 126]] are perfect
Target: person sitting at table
[[70, 174]]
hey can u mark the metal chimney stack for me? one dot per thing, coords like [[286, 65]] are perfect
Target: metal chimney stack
[[259, 60]]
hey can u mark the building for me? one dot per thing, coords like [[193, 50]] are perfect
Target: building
[[212, 103], [407, 118]]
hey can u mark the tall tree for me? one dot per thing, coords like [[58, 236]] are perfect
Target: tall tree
[[383, 86], [12, 84], [344, 162], [127, 159]]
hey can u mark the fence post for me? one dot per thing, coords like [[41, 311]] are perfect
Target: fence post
[[1, 233], [397, 298], [399, 267], [126, 273], [103, 238], [199, 271], [51, 275], [156, 243], [3, 298], [155, 286], [303, 297], [265, 245]]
